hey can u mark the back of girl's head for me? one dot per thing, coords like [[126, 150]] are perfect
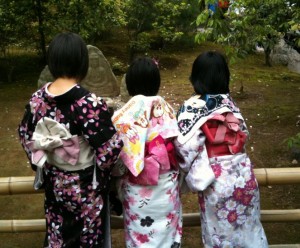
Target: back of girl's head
[[210, 74], [143, 77], [68, 56]]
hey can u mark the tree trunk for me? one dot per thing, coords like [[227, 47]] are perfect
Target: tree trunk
[[267, 56], [78, 17], [39, 12], [10, 73]]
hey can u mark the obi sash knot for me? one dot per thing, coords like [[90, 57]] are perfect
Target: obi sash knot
[[51, 138], [223, 134], [159, 157]]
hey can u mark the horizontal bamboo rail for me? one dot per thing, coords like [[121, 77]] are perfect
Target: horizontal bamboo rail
[[189, 219], [277, 176], [265, 177], [17, 185]]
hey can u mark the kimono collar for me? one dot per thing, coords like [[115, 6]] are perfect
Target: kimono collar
[[198, 109]]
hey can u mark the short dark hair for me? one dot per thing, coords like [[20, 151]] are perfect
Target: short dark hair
[[68, 56], [143, 77], [210, 74]]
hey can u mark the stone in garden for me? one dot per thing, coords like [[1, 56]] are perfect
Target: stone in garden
[[100, 78], [45, 77], [284, 54], [294, 61], [294, 161], [118, 102], [124, 93]]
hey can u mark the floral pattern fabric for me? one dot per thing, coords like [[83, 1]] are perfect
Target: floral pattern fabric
[[230, 212], [141, 120], [149, 188], [74, 210], [229, 205], [152, 214], [73, 204]]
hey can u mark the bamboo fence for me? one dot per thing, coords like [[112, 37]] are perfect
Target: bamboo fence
[[265, 177], [189, 219]]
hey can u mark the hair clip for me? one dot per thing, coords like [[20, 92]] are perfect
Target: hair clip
[[155, 62]]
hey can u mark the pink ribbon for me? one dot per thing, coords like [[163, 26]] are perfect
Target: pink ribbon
[[159, 156], [69, 151]]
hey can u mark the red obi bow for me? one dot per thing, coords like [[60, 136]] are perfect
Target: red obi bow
[[223, 135]]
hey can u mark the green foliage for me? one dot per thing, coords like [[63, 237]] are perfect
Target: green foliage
[[141, 43], [294, 142], [248, 23], [294, 23], [27, 22], [168, 14], [117, 66], [13, 24], [91, 19], [33, 23], [159, 21]]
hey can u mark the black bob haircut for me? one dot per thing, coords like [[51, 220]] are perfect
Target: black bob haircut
[[67, 56], [210, 74], [143, 77]]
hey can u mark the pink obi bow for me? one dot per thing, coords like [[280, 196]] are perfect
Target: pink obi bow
[[160, 156], [50, 138]]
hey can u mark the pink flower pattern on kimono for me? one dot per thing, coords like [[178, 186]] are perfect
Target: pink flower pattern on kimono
[[93, 115], [230, 205], [57, 115], [44, 107], [153, 215], [86, 115], [145, 192], [142, 238], [217, 169], [84, 203], [234, 196]]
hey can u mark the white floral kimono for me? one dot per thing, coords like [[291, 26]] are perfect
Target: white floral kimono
[[226, 185], [149, 188]]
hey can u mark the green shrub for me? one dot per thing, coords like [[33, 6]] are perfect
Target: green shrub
[[294, 142]]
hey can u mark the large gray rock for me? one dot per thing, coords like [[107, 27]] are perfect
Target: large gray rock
[[117, 102], [124, 93], [45, 77], [100, 78], [294, 61], [283, 54]]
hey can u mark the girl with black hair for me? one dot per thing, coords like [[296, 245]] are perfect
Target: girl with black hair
[[149, 185], [71, 143], [211, 143]]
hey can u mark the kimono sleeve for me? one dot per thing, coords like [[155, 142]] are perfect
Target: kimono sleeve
[[25, 131], [189, 151], [94, 119], [195, 162]]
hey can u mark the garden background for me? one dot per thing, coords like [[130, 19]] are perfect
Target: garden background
[[268, 96]]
